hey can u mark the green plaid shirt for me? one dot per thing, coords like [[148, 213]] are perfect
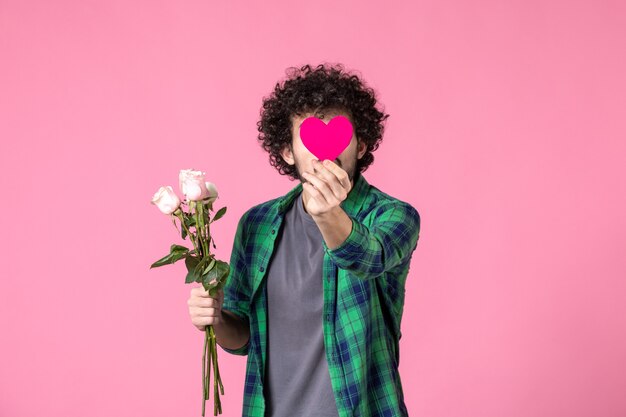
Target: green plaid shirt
[[364, 285]]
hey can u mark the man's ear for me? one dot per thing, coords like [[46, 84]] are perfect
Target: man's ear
[[361, 148], [287, 154]]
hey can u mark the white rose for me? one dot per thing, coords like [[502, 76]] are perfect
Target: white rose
[[212, 189], [166, 200], [194, 186]]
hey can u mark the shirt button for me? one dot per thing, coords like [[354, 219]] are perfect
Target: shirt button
[[261, 269], [273, 231]]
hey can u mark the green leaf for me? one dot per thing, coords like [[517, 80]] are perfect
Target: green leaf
[[199, 268], [177, 252], [163, 261], [178, 249], [190, 220], [191, 262], [183, 229], [219, 214], [219, 273], [225, 271], [209, 267]]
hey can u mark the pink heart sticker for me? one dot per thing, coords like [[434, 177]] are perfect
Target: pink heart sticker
[[326, 141]]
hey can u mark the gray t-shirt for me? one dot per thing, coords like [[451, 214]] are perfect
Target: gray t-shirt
[[297, 379]]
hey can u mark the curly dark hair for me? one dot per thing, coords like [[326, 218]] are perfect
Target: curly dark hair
[[314, 90]]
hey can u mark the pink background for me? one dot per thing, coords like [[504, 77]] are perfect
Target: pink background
[[507, 133]]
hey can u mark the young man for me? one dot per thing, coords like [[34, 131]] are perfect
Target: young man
[[315, 293]]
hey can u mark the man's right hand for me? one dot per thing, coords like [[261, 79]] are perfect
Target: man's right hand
[[205, 310]]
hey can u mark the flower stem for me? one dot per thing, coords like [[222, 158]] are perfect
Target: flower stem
[[194, 213], [217, 403], [204, 370], [199, 226], [207, 379], [203, 233], [182, 222], [208, 234]]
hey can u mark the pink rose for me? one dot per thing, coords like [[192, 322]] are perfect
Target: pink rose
[[166, 200], [195, 187]]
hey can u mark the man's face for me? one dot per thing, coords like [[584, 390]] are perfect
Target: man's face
[[303, 159]]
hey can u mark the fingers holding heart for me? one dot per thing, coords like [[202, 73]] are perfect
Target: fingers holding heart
[[338, 177], [331, 180], [321, 188]]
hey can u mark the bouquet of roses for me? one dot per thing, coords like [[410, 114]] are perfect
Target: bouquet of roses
[[194, 215]]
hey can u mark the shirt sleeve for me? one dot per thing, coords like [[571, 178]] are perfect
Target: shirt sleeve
[[237, 286], [368, 252]]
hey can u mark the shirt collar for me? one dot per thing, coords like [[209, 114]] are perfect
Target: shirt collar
[[351, 205]]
